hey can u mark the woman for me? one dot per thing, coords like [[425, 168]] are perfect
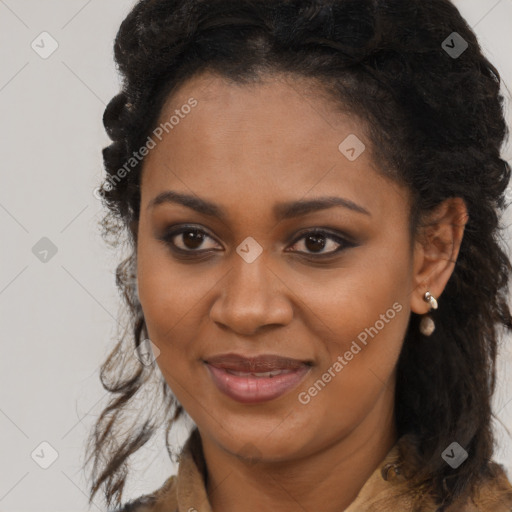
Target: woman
[[311, 192]]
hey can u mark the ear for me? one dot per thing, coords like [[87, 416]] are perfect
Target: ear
[[436, 250]]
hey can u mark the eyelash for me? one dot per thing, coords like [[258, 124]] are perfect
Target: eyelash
[[191, 253]]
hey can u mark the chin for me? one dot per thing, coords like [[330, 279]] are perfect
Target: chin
[[257, 443]]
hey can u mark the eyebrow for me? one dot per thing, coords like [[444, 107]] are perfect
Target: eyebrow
[[281, 211]]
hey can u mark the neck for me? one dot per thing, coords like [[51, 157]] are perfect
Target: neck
[[328, 480]]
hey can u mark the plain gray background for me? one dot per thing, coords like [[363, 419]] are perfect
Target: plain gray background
[[58, 318]]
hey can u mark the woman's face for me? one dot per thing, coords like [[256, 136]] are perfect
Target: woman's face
[[252, 280]]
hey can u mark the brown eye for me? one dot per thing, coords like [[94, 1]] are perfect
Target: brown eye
[[192, 239], [187, 239], [316, 241]]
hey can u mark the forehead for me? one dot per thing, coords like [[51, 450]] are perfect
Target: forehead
[[279, 121], [271, 102], [280, 137]]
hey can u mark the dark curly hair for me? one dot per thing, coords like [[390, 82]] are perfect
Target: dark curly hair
[[436, 124]]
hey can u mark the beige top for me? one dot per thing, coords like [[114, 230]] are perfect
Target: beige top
[[383, 491]]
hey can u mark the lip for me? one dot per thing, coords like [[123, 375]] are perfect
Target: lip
[[260, 363], [225, 371]]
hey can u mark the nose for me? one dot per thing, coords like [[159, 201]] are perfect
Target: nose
[[252, 296]]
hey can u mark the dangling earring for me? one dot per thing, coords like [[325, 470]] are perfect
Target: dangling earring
[[427, 325]]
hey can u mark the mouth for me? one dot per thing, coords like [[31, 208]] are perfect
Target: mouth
[[256, 379]]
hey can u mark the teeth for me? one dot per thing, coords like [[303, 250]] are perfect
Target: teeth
[[258, 374]]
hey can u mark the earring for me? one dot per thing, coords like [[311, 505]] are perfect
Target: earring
[[427, 325]]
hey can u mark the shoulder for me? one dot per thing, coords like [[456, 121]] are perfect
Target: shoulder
[[492, 495], [162, 500], [492, 492], [399, 490]]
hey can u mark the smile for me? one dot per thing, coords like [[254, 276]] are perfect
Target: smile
[[258, 379]]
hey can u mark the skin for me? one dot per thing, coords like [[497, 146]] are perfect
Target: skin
[[247, 148]]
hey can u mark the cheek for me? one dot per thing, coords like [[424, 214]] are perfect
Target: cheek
[[362, 336], [167, 292], [171, 318], [361, 315], [343, 302], [358, 369]]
